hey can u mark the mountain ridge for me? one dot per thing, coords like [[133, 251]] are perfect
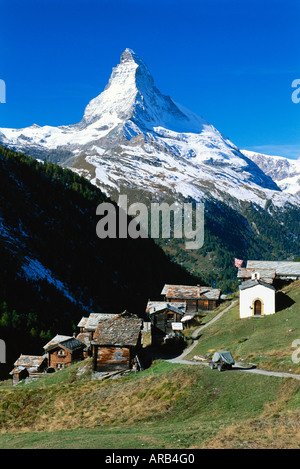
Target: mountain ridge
[[130, 115], [285, 172]]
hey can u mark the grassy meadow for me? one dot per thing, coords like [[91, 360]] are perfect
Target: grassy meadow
[[166, 406]]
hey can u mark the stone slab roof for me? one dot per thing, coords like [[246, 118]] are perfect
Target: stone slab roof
[[29, 361], [282, 268], [72, 344], [64, 341], [267, 275], [191, 292], [56, 340], [157, 306], [93, 320], [82, 322], [121, 330], [254, 283]]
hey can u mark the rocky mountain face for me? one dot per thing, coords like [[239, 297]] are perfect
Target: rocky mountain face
[[136, 141], [284, 172]]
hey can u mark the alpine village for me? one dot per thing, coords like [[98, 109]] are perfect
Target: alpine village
[[114, 341]]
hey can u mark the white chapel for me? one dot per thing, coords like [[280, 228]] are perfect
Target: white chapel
[[257, 298], [257, 290]]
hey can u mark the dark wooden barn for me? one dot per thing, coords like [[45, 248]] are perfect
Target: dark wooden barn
[[165, 319], [117, 343], [197, 298]]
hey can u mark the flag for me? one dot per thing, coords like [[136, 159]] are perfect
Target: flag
[[238, 262]]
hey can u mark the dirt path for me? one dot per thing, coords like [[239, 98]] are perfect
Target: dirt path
[[180, 359], [197, 331]]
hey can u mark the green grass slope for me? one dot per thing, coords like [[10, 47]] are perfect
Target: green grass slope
[[266, 341], [167, 406]]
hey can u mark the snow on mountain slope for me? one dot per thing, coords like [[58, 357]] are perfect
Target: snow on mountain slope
[[31, 268], [285, 172], [133, 137]]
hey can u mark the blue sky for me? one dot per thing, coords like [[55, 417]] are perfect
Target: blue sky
[[232, 62]]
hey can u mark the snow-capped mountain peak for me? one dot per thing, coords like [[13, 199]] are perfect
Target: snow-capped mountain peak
[[119, 94], [131, 95], [132, 136]]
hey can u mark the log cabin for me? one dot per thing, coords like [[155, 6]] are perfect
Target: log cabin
[[117, 343], [164, 317], [28, 366], [197, 298], [62, 351]]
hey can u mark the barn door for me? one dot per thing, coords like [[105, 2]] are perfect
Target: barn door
[[257, 308]]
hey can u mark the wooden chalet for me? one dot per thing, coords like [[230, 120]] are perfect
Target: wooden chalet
[[117, 343], [197, 298], [28, 366], [62, 351], [166, 319]]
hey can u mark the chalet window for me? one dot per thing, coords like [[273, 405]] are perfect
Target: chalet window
[[61, 353], [170, 316]]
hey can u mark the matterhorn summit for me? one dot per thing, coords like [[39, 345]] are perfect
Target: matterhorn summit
[[133, 137], [130, 95], [122, 90]]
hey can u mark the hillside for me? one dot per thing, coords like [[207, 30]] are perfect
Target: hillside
[[54, 269], [266, 342], [166, 406]]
